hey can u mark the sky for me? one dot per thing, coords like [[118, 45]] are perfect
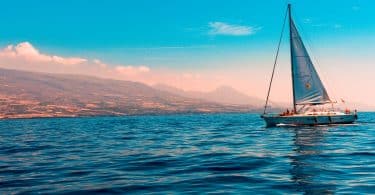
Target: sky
[[193, 45]]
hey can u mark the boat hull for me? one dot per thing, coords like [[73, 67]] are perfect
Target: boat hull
[[297, 120]]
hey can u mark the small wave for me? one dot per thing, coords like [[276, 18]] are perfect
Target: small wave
[[184, 153]]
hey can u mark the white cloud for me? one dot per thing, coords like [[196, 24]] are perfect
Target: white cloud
[[131, 70], [221, 28], [123, 69], [68, 61], [28, 52], [100, 63], [144, 69], [24, 56]]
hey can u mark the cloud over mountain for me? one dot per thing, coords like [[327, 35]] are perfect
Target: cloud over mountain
[[24, 56], [26, 51]]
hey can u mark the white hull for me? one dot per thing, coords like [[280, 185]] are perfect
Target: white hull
[[296, 120]]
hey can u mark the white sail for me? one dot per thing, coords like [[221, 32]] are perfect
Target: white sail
[[307, 86]]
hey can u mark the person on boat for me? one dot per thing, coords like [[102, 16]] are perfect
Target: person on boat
[[287, 112], [347, 111]]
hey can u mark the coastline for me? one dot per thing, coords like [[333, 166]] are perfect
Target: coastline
[[15, 117]]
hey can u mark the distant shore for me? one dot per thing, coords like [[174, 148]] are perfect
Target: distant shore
[[41, 116]]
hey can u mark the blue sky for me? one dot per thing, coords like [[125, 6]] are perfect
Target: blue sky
[[193, 36], [141, 31]]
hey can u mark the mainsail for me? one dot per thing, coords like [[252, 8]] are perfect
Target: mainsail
[[308, 89]]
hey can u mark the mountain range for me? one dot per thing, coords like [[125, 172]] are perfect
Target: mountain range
[[31, 94], [222, 95]]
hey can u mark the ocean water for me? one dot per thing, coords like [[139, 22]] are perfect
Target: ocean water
[[217, 153]]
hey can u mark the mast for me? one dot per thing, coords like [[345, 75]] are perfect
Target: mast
[[291, 56]]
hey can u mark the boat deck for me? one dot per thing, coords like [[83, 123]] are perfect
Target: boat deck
[[310, 118]]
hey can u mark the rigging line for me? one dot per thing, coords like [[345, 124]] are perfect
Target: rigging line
[[275, 62]]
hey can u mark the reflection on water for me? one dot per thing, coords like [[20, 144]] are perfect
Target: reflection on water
[[306, 166]]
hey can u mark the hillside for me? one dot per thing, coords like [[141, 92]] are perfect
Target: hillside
[[29, 94], [223, 95]]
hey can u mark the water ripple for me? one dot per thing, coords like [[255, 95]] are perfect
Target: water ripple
[[213, 153]]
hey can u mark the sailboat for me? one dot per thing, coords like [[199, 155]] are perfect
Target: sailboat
[[309, 93]]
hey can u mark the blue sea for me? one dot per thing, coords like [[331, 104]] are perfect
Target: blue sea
[[192, 153]]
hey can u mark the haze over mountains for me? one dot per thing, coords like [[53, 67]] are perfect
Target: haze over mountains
[[29, 94], [223, 95]]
